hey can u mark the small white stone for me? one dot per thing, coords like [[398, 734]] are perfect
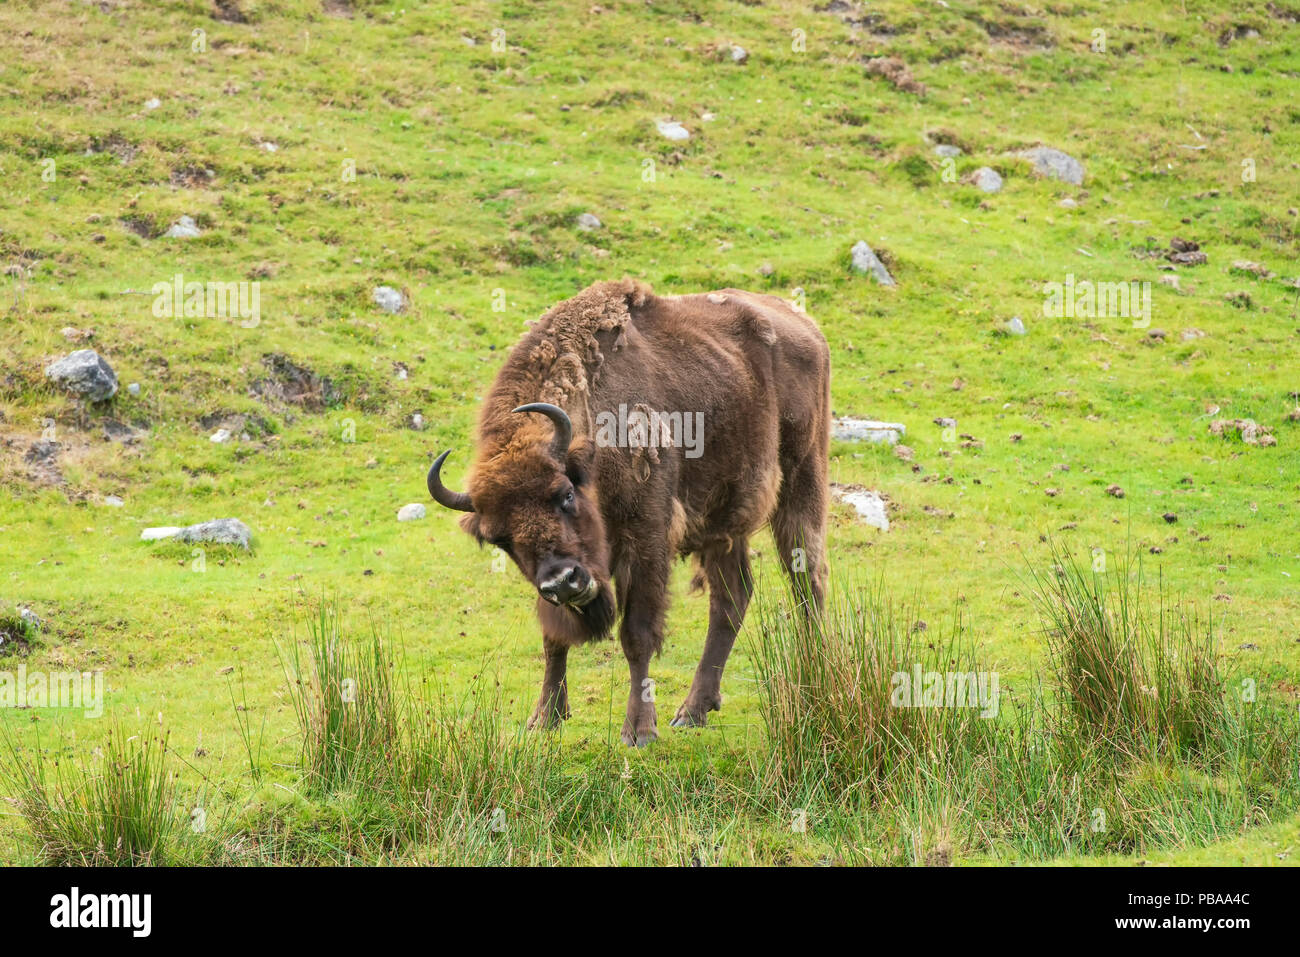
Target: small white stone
[[388, 299], [672, 130], [152, 104], [869, 505], [410, 513], [221, 435], [183, 228], [865, 260], [133, 388], [112, 501], [987, 180], [846, 429]]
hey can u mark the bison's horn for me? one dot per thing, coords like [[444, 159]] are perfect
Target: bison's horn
[[443, 495], [563, 427]]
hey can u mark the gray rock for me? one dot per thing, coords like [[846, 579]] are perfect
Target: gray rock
[[864, 260], [85, 373], [388, 299], [183, 228], [221, 435], [33, 619], [987, 179], [160, 532], [588, 222], [221, 531], [947, 151], [1056, 165], [846, 429], [411, 513], [112, 501], [871, 508], [133, 388], [739, 54], [1015, 327], [672, 130]]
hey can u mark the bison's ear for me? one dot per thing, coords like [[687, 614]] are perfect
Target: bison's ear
[[469, 522], [581, 462]]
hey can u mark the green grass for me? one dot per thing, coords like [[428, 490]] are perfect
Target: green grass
[[117, 810], [395, 770], [472, 166]]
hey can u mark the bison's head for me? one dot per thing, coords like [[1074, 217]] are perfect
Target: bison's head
[[535, 499]]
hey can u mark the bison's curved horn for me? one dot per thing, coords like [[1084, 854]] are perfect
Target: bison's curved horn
[[563, 427], [443, 495]]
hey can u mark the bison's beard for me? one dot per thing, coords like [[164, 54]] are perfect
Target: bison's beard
[[573, 624]]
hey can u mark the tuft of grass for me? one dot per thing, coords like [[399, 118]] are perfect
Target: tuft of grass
[[117, 809], [17, 634], [342, 694], [1040, 777], [1140, 675], [827, 686]]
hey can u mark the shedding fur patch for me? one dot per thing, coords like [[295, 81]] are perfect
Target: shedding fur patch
[[558, 361], [568, 357]]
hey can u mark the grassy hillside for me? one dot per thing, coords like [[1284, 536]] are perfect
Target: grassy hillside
[[447, 151]]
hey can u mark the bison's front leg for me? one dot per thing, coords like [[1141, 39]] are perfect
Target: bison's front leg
[[642, 635], [731, 583], [553, 703]]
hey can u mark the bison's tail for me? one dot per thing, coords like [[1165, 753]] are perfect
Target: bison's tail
[[698, 580]]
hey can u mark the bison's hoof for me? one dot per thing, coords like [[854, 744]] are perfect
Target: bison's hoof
[[639, 739], [547, 721], [686, 719]]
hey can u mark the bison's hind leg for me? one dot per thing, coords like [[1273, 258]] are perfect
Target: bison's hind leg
[[799, 528], [731, 583]]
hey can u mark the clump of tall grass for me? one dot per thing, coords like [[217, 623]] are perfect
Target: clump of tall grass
[[343, 696], [420, 762], [399, 769], [1138, 746], [831, 693], [118, 808], [407, 770], [1135, 670]]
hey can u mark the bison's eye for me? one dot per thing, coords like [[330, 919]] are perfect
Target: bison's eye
[[568, 504]]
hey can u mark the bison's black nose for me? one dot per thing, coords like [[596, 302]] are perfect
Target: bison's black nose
[[562, 584]]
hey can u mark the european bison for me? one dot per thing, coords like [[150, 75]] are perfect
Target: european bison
[[627, 429]]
